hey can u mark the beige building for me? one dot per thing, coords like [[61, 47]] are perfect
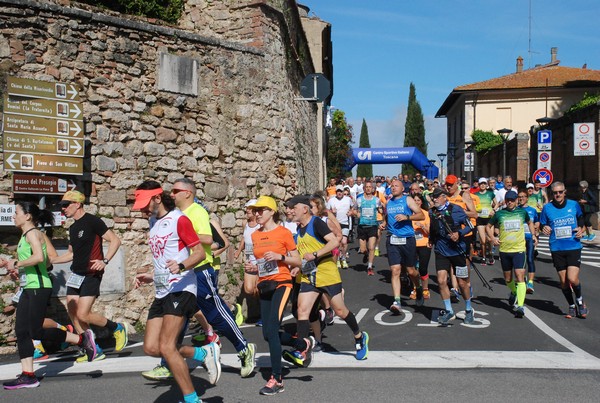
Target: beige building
[[514, 101]]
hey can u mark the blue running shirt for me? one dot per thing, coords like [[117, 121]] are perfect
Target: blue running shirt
[[563, 222], [395, 206]]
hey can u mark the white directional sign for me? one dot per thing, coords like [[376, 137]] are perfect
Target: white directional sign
[[584, 139]]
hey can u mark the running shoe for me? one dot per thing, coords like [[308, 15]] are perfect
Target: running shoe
[[530, 289], [308, 353], [519, 312], [366, 257], [22, 381], [159, 373], [413, 293], [344, 264], [454, 295], [469, 317], [294, 357], [212, 361], [582, 310], [99, 356], [272, 387], [322, 322], [584, 238], [38, 355], [419, 297], [301, 358], [120, 336], [446, 317], [572, 312], [88, 342], [329, 316], [339, 264], [370, 271], [512, 298], [426, 293], [362, 347], [318, 347], [591, 237], [396, 308], [490, 260], [237, 313], [376, 251], [258, 323], [247, 360]]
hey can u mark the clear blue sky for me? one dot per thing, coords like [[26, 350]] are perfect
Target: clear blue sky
[[380, 46]]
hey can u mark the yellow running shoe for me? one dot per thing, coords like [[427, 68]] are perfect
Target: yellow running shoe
[[120, 336], [238, 315]]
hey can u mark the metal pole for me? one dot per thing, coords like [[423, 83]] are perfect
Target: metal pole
[[504, 159]]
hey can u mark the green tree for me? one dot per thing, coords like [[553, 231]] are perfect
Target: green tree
[[414, 129], [364, 170], [485, 140], [339, 146]]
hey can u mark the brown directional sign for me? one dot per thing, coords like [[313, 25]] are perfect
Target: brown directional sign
[[43, 163], [39, 126], [42, 89], [34, 184], [42, 145], [42, 107]]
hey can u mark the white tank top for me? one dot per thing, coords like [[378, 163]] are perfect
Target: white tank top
[[248, 249]]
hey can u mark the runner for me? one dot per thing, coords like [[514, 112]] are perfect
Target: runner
[[319, 275], [447, 231], [401, 243], [367, 208], [487, 202], [510, 223], [176, 250], [529, 237], [274, 249], [421, 228], [31, 270], [89, 262], [341, 206], [562, 220], [250, 279]]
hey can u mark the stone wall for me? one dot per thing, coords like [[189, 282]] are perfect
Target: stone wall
[[241, 136]]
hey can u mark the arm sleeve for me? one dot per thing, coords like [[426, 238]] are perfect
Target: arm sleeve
[[288, 240], [186, 232], [100, 227]]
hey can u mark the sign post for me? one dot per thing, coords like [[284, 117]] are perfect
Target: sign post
[[584, 143]]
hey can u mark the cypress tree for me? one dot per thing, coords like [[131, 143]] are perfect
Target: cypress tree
[[414, 129], [364, 170]]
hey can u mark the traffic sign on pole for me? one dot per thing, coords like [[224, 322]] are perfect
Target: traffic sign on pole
[[544, 159], [544, 176], [544, 139], [583, 139]]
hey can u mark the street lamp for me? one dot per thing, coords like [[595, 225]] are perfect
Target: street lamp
[[441, 156], [431, 164], [504, 133]]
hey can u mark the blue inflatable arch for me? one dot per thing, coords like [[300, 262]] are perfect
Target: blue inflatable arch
[[401, 155]]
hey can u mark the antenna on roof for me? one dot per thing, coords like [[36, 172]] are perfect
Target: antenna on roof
[[529, 51]]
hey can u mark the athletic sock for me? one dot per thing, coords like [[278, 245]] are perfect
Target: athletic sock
[[303, 328], [468, 305], [521, 291], [350, 320], [370, 265], [61, 327], [110, 325], [448, 305], [199, 354], [511, 286], [191, 398], [29, 374], [577, 290], [568, 296]]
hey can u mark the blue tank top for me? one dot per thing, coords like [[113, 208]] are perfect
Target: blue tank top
[[563, 222], [368, 211], [394, 207]]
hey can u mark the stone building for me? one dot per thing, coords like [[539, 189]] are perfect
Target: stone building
[[212, 98]]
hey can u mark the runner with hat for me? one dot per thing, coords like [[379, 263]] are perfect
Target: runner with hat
[[487, 203]]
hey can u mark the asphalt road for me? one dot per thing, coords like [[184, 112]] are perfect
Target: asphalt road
[[543, 357]]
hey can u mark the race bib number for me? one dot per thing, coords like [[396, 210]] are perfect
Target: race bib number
[[267, 268], [75, 281], [397, 240], [563, 232], [161, 280], [462, 271], [308, 267], [526, 228], [17, 296], [512, 225], [23, 279], [368, 212]]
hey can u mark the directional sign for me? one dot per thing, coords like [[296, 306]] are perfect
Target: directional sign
[[583, 139], [33, 184], [43, 163], [544, 138], [315, 87], [544, 159], [42, 145], [544, 176], [38, 126], [42, 107], [42, 89]]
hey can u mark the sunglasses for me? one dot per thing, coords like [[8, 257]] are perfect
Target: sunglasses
[[558, 192], [448, 185], [175, 191], [465, 188], [260, 210]]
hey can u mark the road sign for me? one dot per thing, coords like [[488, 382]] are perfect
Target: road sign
[[42, 107], [43, 163], [42, 89], [544, 138], [315, 87], [34, 184], [39, 126], [544, 176], [544, 159], [42, 145], [584, 139]]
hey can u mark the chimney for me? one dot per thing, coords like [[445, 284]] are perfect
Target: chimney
[[519, 64], [553, 52]]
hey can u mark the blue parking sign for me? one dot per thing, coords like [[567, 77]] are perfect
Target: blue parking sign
[[544, 139]]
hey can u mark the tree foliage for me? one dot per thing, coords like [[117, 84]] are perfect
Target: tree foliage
[[166, 10], [485, 140], [414, 128], [364, 170], [587, 100], [339, 146]]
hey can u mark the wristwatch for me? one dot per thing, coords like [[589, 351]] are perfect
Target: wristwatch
[[105, 260], [181, 267], [315, 254], [283, 258]]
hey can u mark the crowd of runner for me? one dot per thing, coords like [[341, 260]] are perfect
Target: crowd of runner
[[296, 255]]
